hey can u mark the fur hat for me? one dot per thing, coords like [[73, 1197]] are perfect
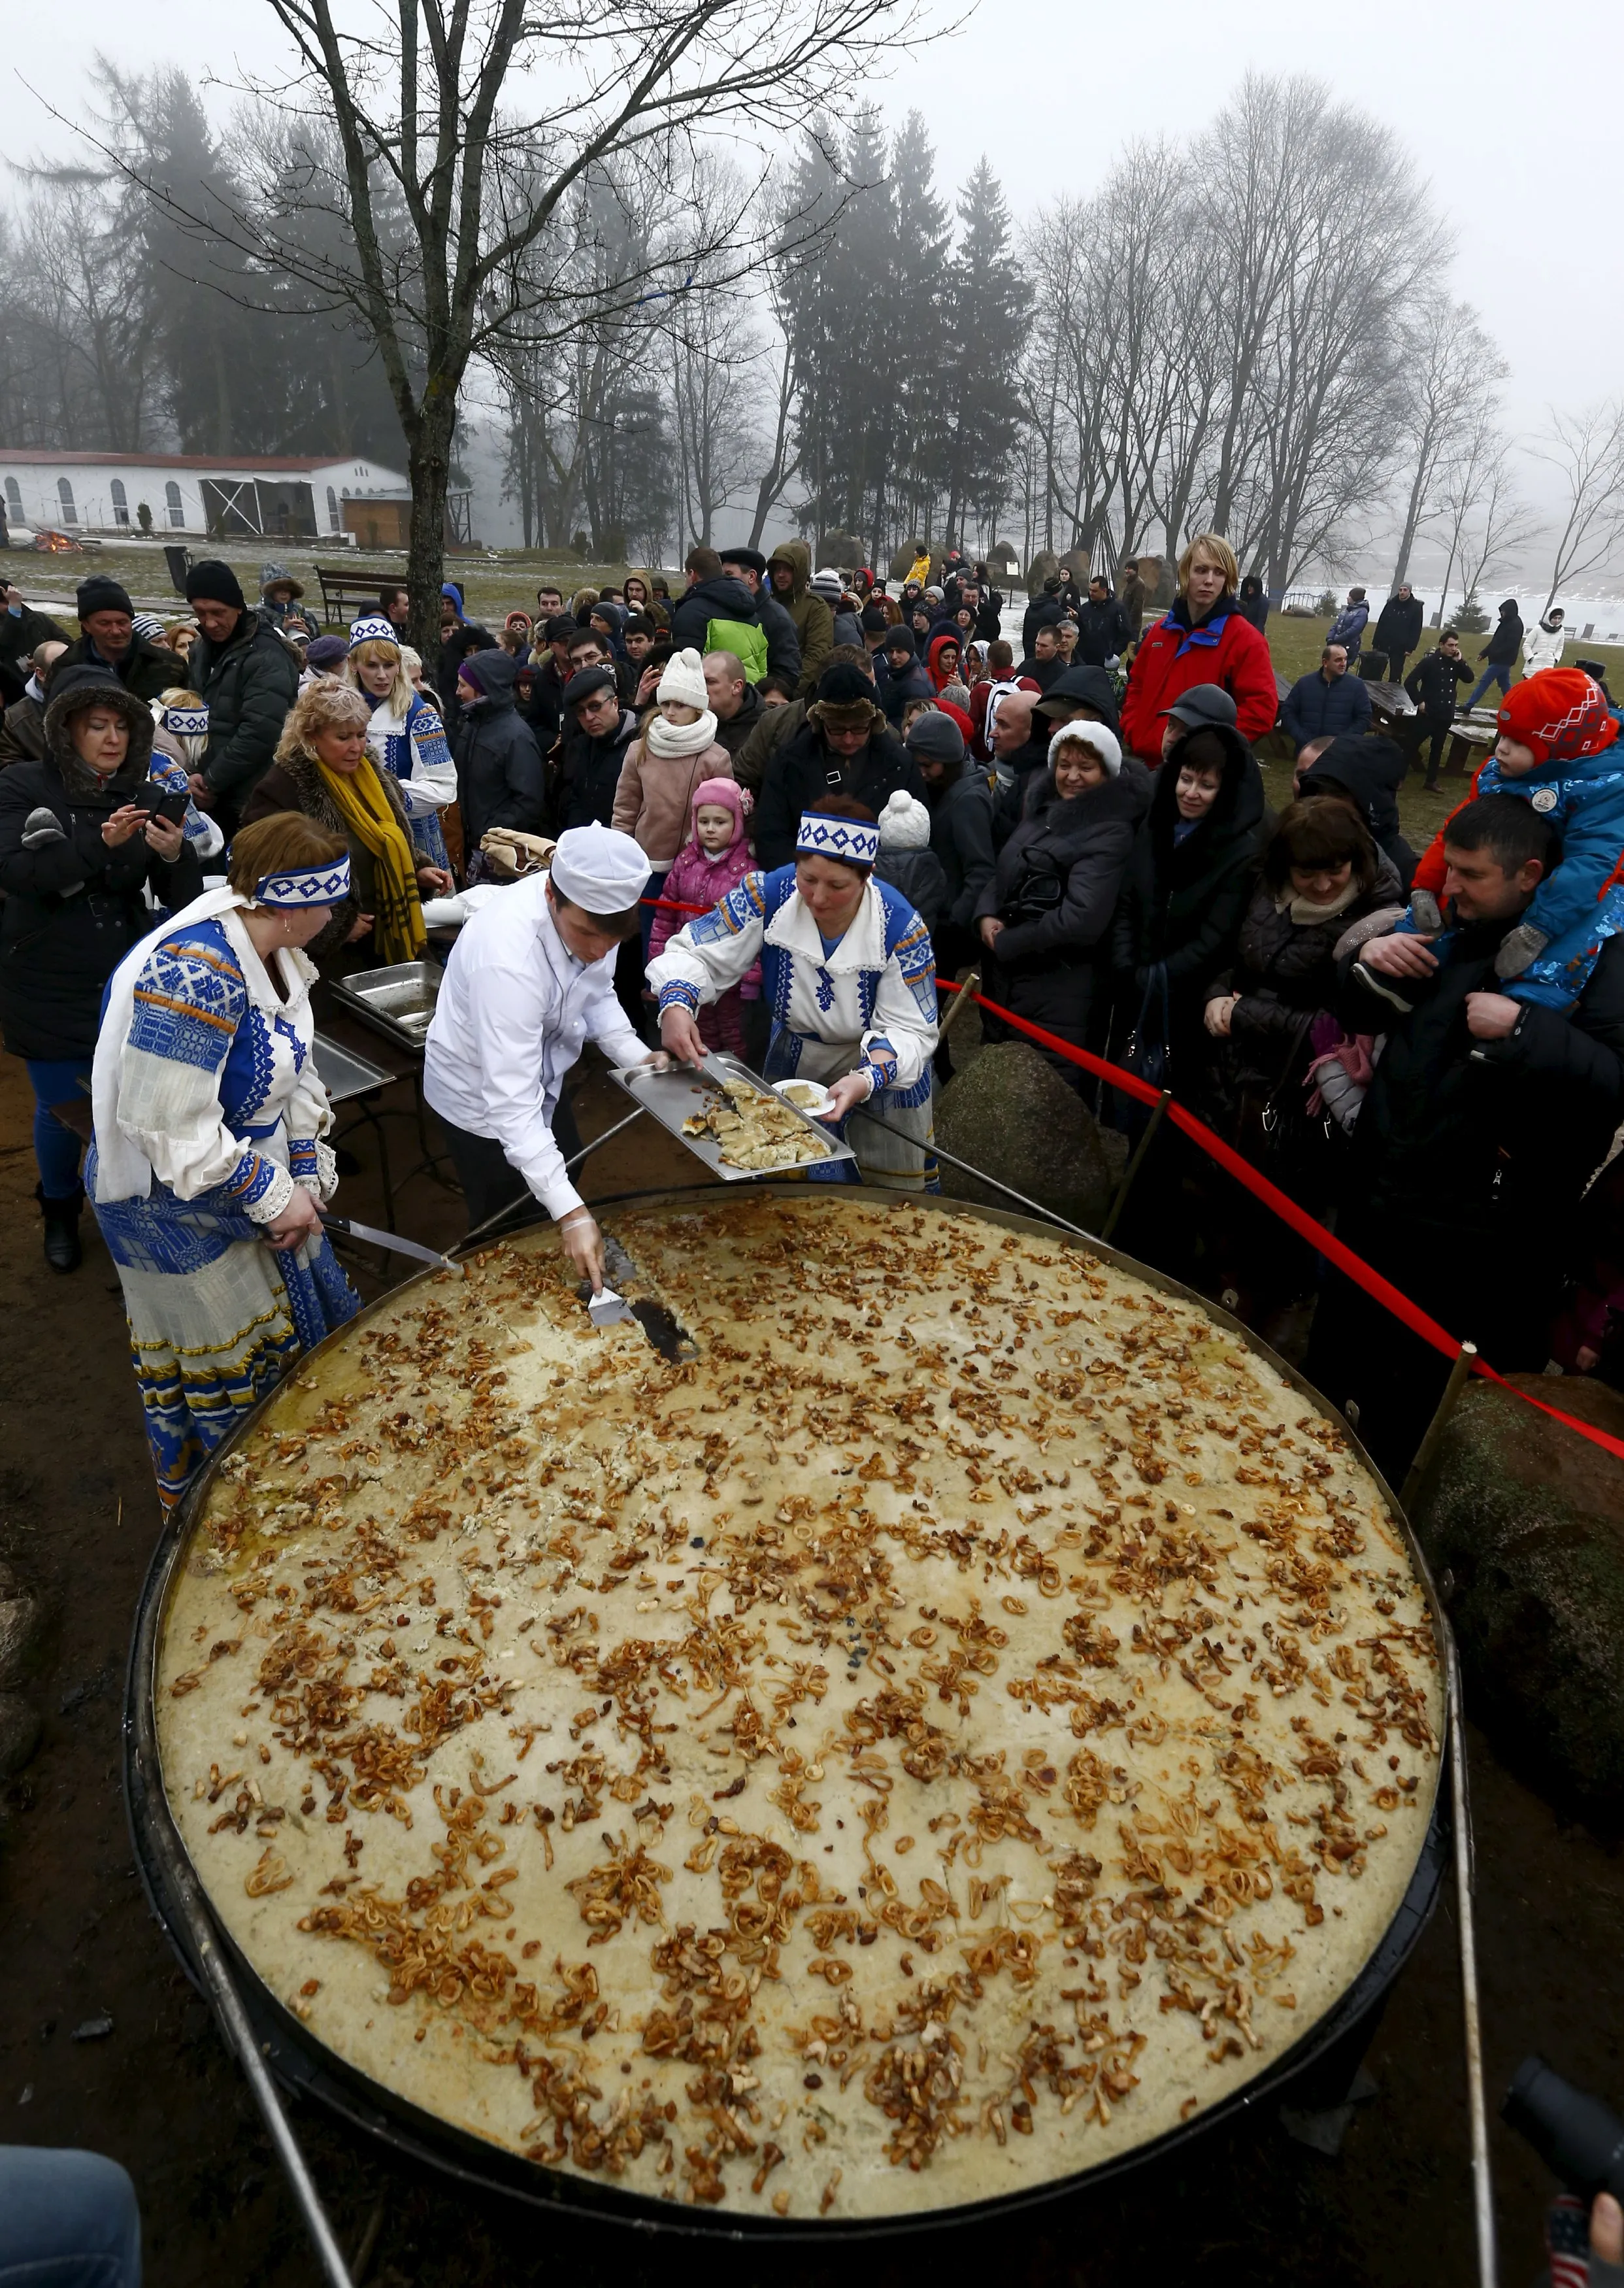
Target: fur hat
[[1560, 713], [1089, 735], [683, 679], [277, 576], [905, 824]]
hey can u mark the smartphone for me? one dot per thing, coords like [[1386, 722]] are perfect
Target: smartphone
[[159, 802]]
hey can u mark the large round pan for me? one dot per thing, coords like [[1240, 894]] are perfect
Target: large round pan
[[1317, 2068]]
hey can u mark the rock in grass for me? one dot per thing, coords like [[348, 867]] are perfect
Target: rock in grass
[[1529, 1518], [1009, 1112]]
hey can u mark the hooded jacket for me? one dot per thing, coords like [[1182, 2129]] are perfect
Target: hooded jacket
[[1399, 627], [590, 773], [1102, 631], [499, 776], [1252, 602], [248, 684], [1182, 897], [1178, 654], [897, 687], [804, 770], [724, 597], [1062, 867], [73, 909], [940, 676], [1371, 771], [1506, 637], [813, 622]]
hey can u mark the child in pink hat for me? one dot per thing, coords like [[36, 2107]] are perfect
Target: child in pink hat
[[714, 860]]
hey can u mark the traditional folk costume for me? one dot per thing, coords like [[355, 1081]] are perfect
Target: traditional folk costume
[[208, 1110], [413, 749], [864, 1003]]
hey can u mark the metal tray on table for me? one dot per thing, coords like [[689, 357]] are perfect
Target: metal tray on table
[[397, 1001], [672, 1097]]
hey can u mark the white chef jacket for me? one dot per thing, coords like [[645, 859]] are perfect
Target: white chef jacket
[[515, 1007]]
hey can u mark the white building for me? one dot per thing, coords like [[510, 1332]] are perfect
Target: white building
[[200, 495]]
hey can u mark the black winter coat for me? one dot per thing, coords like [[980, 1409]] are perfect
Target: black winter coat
[[1103, 632], [804, 771], [897, 692], [1432, 683], [1252, 603], [1371, 771], [1054, 888], [147, 669], [1398, 629], [500, 781], [1506, 638], [590, 773], [18, 638], [248, 683], [1285, 971], [918, 875], [72, 910], [1044, 611], [1490, 1144], [1182, 901], [962, 837], [464, 636]]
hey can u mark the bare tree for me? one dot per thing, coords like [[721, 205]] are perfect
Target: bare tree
[[463, 127], [1587, 451], [1452, 373], [1483, 520]]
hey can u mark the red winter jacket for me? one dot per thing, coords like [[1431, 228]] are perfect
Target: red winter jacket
[[1171, 659]]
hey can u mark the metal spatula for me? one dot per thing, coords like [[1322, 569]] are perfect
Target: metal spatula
[[607, 1307]]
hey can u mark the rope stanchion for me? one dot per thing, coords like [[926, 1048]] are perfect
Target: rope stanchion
[[1140, 1149], [1335, 1252]]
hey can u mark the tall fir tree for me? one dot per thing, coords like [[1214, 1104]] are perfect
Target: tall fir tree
[[987, 306]]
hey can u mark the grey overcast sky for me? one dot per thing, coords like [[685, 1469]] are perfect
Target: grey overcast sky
[[1511, 115]]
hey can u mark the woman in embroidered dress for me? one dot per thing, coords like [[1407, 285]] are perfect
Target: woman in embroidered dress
[[406, 737], [849, 974], [322, 770], [207, 1168]]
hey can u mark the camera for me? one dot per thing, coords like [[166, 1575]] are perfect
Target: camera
[[1579, 2139]]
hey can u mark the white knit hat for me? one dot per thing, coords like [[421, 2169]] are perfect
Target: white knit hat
[[683, 679], [1089, 735], [905, 824]]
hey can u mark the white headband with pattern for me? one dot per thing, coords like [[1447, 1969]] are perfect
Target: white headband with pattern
[[851, 838], [294, 887]]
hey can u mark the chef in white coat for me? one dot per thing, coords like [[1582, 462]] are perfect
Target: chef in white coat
[[530, 980]]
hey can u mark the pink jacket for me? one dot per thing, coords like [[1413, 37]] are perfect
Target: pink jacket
[[696, 878]]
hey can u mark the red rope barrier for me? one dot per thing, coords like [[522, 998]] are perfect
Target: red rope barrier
[[1325, 1242]]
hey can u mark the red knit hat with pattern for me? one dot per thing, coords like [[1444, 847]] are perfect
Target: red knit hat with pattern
[[1560, 713]]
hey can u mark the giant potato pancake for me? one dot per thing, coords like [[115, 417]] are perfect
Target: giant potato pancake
[[970, 1718]]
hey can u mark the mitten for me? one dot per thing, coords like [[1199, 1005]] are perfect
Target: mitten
[[41, 828], [1518, 948], [1424, 912]]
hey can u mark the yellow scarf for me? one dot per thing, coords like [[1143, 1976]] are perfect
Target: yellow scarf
[[397, 921]]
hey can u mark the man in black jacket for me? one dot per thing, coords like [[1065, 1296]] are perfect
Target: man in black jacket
[[107, 640], [1498, 656], [499, 776], [1102, 627], [1478, 1135], [1432, 683], [750, 566], [713, 594], [1399, 630], [736, 704], [247, 677], [22, 631], [598, 730], [1327, 704], [843, 746]]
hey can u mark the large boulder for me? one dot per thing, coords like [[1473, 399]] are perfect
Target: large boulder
[[1008, 1111], [1043, 566], [1529, 1518], [902, 563], [843, 552]]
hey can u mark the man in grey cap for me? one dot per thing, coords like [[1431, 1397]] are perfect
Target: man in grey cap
[[1205, 706]]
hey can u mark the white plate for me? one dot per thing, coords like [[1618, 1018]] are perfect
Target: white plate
[[820, 1100]]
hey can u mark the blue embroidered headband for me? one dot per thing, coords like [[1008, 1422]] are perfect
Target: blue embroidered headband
[[305, 886], [186, 722], [373, 629], [851, 838]]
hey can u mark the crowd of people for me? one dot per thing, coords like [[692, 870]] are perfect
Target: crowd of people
[[764, 813]]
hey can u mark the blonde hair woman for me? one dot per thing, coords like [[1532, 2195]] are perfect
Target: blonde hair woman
[[181, 740], [209, 1169], [1203, 640], [323, 771], [406, 737]]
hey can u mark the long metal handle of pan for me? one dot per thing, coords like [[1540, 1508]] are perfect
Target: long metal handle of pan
[[240, 2033], [502, 1213], [862, 1112]]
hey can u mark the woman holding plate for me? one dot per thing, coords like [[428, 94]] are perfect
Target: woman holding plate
[[849, 976]]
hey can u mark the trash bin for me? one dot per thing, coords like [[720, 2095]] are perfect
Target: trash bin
[[180, 561]]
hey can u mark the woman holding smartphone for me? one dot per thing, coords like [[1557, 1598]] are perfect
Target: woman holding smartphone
[[84, 835]]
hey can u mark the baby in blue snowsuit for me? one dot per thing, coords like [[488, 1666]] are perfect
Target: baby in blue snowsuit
[[1557, 750]]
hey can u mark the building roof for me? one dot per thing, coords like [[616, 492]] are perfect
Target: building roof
[[288, 463]]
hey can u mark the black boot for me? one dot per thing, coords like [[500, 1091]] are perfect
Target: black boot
[[62, 1249]]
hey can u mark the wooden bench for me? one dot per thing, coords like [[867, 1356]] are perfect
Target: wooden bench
[[1467, 733], [346, 595], [1390, 705]]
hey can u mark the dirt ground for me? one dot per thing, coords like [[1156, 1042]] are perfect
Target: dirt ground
[[78, 1518]]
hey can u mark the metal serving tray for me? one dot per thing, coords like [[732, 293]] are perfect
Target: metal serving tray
[[344, 1074], [672, 1097], [398, 1001]]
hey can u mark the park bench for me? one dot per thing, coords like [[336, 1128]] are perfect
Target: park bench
[[346, 595]]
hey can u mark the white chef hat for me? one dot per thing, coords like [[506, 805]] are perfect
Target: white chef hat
[[598, 870]]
